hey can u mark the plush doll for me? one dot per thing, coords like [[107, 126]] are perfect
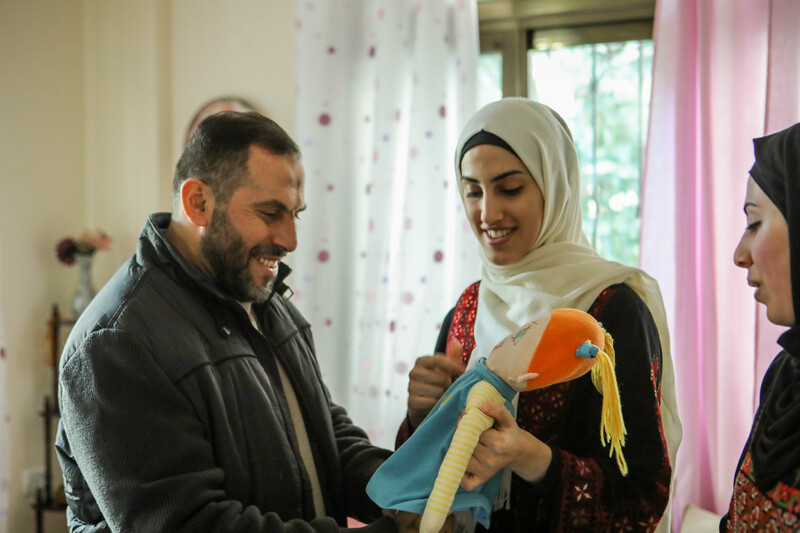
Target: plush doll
[[424, 474]]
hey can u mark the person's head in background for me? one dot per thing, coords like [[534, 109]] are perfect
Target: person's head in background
[[236, 193], [770, 245], [519, 180]]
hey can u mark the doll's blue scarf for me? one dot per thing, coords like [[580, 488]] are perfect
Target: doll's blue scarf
[[405, 480]]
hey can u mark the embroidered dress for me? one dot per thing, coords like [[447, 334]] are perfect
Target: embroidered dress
[[777, 507], [583, 489], [752, 510]]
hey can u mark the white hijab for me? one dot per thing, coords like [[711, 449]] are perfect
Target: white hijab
[[561, 269]]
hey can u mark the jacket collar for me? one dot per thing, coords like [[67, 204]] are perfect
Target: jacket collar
[[154, 247]]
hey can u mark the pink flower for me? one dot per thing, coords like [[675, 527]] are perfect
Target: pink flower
[[99, 240]]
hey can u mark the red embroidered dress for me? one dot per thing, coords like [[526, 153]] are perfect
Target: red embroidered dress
[[777, 507], [752, 510], [583, 489]]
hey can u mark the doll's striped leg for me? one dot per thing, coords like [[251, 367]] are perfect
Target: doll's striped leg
[[469, 429]]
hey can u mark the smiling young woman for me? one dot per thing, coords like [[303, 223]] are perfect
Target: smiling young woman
[[504, 205], [518, 178]]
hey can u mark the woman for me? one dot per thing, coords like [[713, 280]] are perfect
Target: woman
[[766, 490], [518, 177]]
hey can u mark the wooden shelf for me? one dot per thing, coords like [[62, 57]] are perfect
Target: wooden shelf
[[45, 500]]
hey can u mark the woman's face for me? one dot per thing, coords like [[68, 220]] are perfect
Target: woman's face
[[504, 204], [764, 251]]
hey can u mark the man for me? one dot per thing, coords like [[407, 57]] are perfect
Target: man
[[190, 394]]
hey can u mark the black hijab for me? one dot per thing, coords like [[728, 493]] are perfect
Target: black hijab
[[775, 448]]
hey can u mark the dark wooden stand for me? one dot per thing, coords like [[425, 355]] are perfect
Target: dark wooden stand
[[44, 496]]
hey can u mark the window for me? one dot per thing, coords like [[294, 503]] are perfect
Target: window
[[595, 74], [490, 77]]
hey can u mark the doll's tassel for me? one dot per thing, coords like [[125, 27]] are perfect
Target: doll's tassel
[[612, 426]]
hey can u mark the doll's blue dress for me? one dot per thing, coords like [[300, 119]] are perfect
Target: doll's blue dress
[[405, 480]]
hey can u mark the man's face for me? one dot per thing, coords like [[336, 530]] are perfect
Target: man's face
[[256, 228]]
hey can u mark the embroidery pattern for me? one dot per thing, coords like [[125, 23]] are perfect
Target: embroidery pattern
[[753, 510], [540, 412]]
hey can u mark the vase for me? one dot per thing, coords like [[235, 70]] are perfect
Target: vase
[[84, 292]]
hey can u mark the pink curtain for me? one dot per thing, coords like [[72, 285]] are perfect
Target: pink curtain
[[5, 482], [725, 71]]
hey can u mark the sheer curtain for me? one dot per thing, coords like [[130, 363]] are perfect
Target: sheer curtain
[[725, 71], [384, 248]]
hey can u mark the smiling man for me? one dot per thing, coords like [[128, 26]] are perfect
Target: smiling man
[[190, 395]]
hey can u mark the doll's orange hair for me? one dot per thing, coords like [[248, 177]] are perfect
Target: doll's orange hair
[[554, 359]]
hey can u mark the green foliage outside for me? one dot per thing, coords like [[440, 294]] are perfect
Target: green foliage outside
[[603, 92]]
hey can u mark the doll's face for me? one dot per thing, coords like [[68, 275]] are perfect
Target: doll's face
[[511, 357], [545, 351]]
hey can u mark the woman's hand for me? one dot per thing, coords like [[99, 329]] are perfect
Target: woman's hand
[[506, 445], [429, 379]]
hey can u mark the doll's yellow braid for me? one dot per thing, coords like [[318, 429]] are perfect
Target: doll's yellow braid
[[612, 427]]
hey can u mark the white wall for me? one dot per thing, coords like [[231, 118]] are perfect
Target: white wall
[[41, 200], [97, 95], [150, 65]]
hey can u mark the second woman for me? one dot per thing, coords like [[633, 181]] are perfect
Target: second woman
[[518, 177]]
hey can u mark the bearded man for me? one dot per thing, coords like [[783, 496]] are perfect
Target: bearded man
[[190, 394]]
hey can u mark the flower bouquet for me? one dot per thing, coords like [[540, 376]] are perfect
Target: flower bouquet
[[87, 244], [70, 250]]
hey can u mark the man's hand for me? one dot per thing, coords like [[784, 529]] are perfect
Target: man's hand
[[506, 445], [429, 379], [406, 522], [409, 522]]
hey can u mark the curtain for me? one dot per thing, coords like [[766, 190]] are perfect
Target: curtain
[[5, 466], [384, 247], [725, 71]]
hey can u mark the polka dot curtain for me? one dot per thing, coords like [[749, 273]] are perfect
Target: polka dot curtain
[[384, 247]]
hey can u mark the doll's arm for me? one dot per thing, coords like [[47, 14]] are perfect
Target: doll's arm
[[469, 429]]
